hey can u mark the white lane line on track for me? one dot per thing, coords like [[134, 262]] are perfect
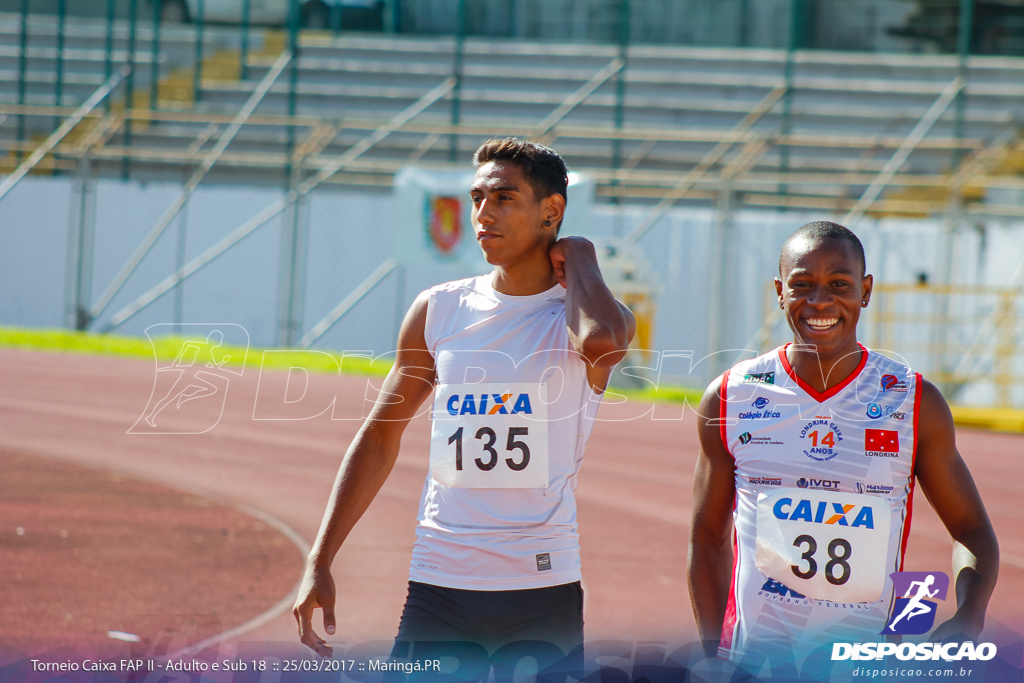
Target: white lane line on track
[[282, 606]]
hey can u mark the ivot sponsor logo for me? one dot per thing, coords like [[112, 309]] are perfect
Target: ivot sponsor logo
[[828, 484]]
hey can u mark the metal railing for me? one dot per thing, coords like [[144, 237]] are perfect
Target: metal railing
[[841, 133], [957, 336], [190, 73]]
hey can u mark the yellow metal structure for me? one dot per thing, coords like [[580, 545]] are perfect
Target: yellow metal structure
[[958, 336]]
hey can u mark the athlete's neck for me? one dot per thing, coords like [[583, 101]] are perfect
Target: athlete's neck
[[823, 370], [524, 278]]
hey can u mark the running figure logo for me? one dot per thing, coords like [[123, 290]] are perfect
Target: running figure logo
[[189, 393], [914, 613]]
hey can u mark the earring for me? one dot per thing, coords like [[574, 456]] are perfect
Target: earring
[[863, 304], [547, 224]]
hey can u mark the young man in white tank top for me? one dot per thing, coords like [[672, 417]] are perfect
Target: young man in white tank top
[[817, 446], [512, 359]]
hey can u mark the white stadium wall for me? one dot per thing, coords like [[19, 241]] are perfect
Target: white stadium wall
[[352, 233]]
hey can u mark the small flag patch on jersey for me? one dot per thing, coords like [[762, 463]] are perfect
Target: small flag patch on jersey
[[881, 440], [543, 562]]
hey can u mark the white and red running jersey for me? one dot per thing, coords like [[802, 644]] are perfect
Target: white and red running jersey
[[824, 484]]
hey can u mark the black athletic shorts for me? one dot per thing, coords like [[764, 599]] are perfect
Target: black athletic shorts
[[494, 628]]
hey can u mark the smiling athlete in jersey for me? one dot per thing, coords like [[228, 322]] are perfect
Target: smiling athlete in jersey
[[817, 447], [512, 358]]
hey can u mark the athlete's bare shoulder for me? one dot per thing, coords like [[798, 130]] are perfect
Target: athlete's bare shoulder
[[709, 409], [936, 431], [412, 335]]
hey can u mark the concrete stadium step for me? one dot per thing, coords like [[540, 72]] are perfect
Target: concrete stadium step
[[847, 113]]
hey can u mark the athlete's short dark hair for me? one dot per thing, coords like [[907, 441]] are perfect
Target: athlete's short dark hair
[[822, 230], [543, 167]]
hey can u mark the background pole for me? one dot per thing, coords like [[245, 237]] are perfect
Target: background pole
[[22, 66], [197, 73], [620, 94], [966, 27], [460, 39], [244, 50], [129, 88], [796, 29], [58, 91], [154, 59]]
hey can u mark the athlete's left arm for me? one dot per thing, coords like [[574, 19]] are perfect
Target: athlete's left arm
[[600, 327], [949, 487]]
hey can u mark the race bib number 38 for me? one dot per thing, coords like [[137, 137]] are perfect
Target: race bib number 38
[[490, 436], [825, 544]]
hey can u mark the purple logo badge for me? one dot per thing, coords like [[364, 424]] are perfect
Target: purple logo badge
[[913, 610]]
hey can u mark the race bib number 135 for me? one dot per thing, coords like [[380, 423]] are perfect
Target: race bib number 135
[[825, 544], [490, 436]]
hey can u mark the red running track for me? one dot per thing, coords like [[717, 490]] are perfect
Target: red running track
[[634, 492]]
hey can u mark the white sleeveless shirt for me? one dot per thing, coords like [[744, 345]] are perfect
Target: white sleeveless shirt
[[824, 485], [510, 420]]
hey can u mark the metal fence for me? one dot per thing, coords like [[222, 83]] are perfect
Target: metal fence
[[968, 339], [604, 60], [993, 27], [143, 121]]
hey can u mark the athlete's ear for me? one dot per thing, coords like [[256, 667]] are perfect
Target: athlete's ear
[[554, 210], [868, 282], [778, 290]]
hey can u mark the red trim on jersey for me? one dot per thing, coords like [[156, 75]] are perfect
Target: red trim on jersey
[[723, 405], [811, 391], [731, 613], [913, 461]]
